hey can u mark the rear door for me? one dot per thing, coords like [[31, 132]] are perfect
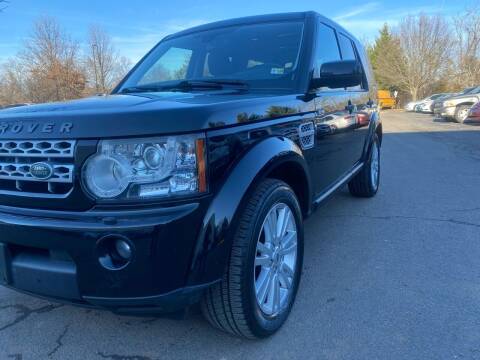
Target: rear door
[[357, 108], [340, 133]]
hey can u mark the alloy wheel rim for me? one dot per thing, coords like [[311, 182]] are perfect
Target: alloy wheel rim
[[464, 114], [375, 165], [275, 260]]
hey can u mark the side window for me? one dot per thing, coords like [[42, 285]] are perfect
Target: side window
[[326, 47], [348, 53], [173, 65]]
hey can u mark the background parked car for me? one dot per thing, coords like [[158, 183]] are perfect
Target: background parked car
[[437, 107], [458, 107], [422, 105], [438, 103], [474, 114], [411, 105], [426, 105], [386, 100]]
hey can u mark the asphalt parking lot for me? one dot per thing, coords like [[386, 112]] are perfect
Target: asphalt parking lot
[[396, 277]]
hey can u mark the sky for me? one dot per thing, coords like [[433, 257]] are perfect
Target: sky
[[136, 26]]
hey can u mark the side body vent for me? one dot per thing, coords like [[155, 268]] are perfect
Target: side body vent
[[306, 133]]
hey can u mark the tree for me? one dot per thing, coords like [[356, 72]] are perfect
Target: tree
[[416, 55], [51, 67], [52, 63], [12, 79], [467, 48], [385, 48], [105, 66]]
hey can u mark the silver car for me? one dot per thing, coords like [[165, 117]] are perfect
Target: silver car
[[457, 107], [426, 105]]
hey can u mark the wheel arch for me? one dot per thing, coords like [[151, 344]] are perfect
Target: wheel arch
[[466, 103], [379, 132], [376, 127], [274, 157], [292, 173]]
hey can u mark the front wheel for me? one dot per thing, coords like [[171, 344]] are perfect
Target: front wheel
[[259, 287], [461, 113]]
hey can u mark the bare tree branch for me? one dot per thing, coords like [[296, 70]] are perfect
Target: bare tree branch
[[105, 66], [417, 54], [52, 61], [467, 48]]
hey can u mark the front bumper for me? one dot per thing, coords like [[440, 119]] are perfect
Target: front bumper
[[56, 255], [473, 119], [448, 112]]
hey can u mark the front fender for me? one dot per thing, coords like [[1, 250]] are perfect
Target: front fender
[[215, 240]]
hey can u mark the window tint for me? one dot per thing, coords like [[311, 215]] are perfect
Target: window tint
[[263, 55], [326, 47], [348, 53], [173, 65]]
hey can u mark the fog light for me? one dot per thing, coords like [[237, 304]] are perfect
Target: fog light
[[123, 249], [115, 252]]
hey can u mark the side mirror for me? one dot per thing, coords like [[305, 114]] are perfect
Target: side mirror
[[339, 74]]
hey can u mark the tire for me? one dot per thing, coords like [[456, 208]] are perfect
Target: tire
[[461, 113], [232, 305], [367, 182]]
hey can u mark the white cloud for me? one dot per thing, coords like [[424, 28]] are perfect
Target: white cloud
[[367, 8], [366, 21]]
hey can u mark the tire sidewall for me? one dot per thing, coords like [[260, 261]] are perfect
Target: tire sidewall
[[458, 111], [374, 187], [261, 324]]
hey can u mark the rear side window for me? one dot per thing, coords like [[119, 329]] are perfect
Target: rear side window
[[326, 47], [348, 53]]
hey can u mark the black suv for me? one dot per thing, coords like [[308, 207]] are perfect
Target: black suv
[[191, 181]]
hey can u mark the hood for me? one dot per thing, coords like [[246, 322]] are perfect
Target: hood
[[144, 114], [464, 96]]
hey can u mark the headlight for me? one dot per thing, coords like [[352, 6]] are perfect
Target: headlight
[[448, 104], [147, 168]]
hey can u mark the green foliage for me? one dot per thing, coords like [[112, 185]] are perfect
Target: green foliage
[[384, 47]]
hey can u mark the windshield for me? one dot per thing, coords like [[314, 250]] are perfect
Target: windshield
[[468, 91], [475, 91], [262, 56]]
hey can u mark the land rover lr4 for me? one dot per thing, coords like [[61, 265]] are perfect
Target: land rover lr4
[[190, 182]]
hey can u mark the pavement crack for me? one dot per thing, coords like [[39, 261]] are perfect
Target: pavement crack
[[468, 210], [415, 218], [23, 312], [123, 357], [59, 341]]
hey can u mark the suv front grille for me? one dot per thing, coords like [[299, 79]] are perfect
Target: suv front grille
[[18, 157]]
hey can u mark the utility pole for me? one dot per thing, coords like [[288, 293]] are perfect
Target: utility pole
[[94, 51]]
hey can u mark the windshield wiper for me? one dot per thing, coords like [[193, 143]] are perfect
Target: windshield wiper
[[140, 89], [214, 84], [227, 82], [186, 85]]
